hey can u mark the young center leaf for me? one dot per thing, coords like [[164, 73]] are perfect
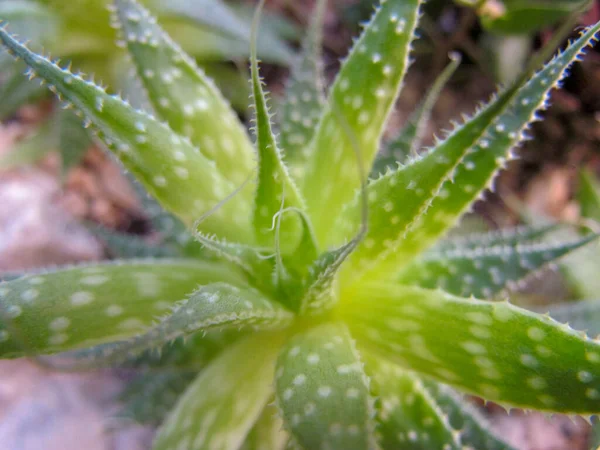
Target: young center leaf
[[169, 166], [495, 350], [275, 189], [90, 305], [363, 93], [413, 206], [322, 390]]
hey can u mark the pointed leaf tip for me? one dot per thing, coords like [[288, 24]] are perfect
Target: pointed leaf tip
[[169, 166], [183, 95], [363, 92]]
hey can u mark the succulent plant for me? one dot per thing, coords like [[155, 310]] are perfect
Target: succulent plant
[[321, 309]]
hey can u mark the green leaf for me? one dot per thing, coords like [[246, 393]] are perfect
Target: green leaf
[[320, 292], [31, 20], [171, 229], [323, 392], [213, 306], [230, 24], [123, 245], [588, 195], [304, 98], [445, 182], [182, 95], [31, 148], [73, 140], [526, 16], [485, 270], [275, 190], [493, 350], [409, 417], [363, 93], [409, 140], [90, 305], [16, 89], [218, 410], [268, 432], [254, 261], [169, 166], [150, 396], [475, 430]]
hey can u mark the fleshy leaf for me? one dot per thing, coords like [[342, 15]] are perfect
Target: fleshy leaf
[[183, 96], [164, 376], [485, 270], [275, 189], [323, 392], [494, 350], [409, 140], [363, 93], [172, 230], [84, 306], [218, 410], [474, 429], [268, 432], [444, 183], [304, 98], [408, 416], [30, 149], [214, 306], [16, 90], [169, 166], [73, 140]]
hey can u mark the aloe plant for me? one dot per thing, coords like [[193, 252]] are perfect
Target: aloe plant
[[324, 310]]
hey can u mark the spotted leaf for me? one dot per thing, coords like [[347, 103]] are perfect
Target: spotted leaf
[[163, 376], [494, 350], [483, 271], [275, 189], [214, 306], [212, 413], [322, 390], [85, 306], [320, 291], [172, 230], [363, 93], [475, 430], [183, 95], [408, 416], [413, 206], [408, 141], [169, 166], [304, 98]]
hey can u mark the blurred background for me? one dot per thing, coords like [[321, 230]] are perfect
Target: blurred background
[[63, 200]]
